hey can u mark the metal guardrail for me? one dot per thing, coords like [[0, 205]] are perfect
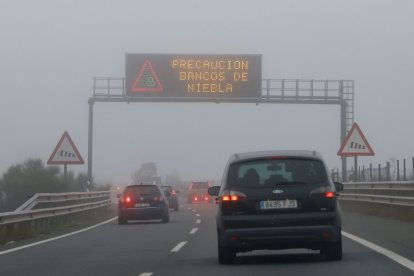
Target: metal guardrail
[[60, 197], [389, 185], [405, 186], [26, 212], [393, 200]]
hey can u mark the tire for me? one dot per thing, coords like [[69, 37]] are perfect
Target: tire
[[166, 217], [122, 220], [226, 254], [333, 250]]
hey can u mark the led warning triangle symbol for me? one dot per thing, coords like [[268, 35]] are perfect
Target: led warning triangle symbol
[[65, 152], [146, 80], [355, 144]]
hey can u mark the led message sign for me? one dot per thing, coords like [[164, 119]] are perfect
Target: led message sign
[[193, 76]]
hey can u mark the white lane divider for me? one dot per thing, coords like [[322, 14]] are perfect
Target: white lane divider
[[197, 215], [193, 230], [146, 274], [178, 246], [393, 256], [188, 208], [198, 221]]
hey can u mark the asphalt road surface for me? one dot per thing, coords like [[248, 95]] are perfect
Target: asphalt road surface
[[188, 246]]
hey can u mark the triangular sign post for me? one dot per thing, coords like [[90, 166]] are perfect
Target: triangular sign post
[[355, 144], [65, 153]]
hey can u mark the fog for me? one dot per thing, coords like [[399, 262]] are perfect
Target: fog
[[51, 50]]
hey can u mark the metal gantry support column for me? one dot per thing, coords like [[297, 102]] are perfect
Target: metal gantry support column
[[90, 136], [343, 136]]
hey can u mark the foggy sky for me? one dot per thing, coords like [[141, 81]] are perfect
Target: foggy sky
[[51, 50]]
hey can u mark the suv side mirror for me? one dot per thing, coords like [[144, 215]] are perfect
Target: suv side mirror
[[214, 191], [339, 186]]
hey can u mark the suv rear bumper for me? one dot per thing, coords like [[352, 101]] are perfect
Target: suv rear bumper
[[245, 233]]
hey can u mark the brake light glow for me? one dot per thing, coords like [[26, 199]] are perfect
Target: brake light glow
[[275, 157], [233, 196], [128, 199], [329, 194], [226, 198]]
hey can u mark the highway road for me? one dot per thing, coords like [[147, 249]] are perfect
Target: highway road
[[187, 246]]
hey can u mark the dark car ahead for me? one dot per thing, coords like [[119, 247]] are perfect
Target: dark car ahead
[[277, 200], [142, 202], [171, 195], [198, 192]]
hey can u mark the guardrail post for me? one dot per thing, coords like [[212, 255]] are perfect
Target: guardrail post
[[363, 173], [370, 172], [398, 170], [405, 173], [388, 171], [379, 172]]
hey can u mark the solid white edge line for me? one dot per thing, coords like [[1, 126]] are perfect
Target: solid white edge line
[[146, 274], [56, 238], [393, 256], [198, 221], [193, 230], [178, 246]]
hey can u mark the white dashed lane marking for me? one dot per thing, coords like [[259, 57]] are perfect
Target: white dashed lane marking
[[197, 215], [198, 221], [193, 230], [146, 274], [178, 246]]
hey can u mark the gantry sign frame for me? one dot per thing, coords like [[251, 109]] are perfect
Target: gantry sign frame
[[273, 91]]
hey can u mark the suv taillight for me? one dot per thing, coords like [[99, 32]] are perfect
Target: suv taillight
[[230, 195], [325, 191]]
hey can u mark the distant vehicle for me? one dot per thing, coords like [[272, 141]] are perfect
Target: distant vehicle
[[198, 192], [142, 202], [277, 200], [171, 195]]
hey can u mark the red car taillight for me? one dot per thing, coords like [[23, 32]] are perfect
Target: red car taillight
[[232, 196], [125, 199]]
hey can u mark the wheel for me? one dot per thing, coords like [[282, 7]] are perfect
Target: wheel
[[166, 217], [122, 220], [226, 255], [333, 250]]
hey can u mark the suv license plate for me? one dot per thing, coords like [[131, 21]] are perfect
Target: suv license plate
[[142, 204], [278, 204]]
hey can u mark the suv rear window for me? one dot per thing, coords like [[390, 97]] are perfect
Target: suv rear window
[[199, 185], [277, 172], [142, 190]]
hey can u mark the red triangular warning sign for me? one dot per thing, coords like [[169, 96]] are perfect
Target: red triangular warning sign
[[65, 152], [146, 80], [355, 144]]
